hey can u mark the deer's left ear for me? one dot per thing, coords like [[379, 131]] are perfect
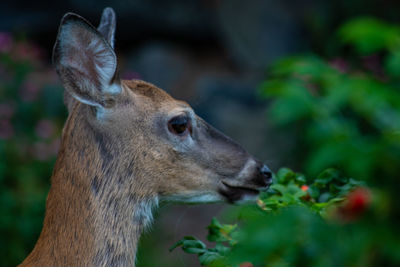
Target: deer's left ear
[[85, 60], [107, 25]]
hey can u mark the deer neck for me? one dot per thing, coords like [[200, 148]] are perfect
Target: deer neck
[[93, 215]]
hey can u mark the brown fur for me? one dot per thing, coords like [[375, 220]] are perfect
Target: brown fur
[[117, 160]]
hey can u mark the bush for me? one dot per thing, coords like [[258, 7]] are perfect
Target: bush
[[31, 117], [345, 113]]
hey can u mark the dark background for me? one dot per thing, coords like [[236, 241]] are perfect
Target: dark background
[[212, 53]]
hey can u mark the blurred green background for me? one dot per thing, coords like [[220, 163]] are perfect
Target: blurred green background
[[311, 85]]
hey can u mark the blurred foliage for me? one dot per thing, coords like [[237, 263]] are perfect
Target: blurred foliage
[[344, 113], [31, 117], [287, 229]]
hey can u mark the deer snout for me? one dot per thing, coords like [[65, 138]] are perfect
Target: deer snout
[[254, 177], [266, 175], [262, 176]]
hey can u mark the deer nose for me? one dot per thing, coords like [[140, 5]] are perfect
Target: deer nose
[[267, 174]]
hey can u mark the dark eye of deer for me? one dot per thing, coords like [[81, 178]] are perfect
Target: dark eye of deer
[[179, 125]]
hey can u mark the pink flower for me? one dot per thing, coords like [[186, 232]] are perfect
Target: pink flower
[[340, 64], [44, 151], [374, 65], [6, 42], [7, 110], [23, 51], [29, 91], [40, 151], [44, 129], [55, 146], [6, 129]]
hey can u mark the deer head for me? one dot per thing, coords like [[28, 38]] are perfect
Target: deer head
[[174, 153]]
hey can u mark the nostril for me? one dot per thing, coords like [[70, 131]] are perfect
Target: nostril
[[266, 172]]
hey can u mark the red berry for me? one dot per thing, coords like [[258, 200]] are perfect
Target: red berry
[[304, 187], [246, 264], [358, 200], [356, 203]]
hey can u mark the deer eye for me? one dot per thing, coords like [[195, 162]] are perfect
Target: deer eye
[[179, 125]]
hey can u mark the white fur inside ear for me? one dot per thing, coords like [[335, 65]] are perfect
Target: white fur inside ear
[[114, 89], [105, 64], [87, 102], [92, 61]]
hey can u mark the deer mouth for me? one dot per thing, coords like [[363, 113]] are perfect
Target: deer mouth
[[236, 193]]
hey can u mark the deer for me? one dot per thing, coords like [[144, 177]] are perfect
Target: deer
[[126, 146]]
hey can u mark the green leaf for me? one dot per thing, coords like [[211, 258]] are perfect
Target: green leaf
[[313, 191], [369, 35], [209, 257], [324, 197], [221, 249], [392, 63], [285, 175], [218, 232], [300, 179], [193, 250], [279, 188], [326, 177], [188, 242]]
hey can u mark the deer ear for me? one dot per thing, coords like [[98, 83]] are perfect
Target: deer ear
[[85, 62], [107, 25]]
